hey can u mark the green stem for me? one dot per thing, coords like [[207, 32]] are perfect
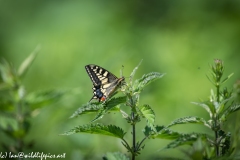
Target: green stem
[[218, 92], [216, 123], [216, 143], [134, 137], [20, 127], [19, 119]]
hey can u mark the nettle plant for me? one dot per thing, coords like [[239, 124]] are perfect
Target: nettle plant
[[219, 106], [17, 107], [131, 91]]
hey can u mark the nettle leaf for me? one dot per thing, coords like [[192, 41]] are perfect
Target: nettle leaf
[[126, 116], [161, 132], [133, 72], [28, 61], [8, 75], [185, 139], [207, 106], [114, 102], [189, 119], [229, 110], [148, 113], [109, 130], [88, 108], [147, 79], [100, 115], [115, 156], [45, 97], [221, 106], [167, 133], [111, 105], [6, 102], [148, 131], [223, 81]]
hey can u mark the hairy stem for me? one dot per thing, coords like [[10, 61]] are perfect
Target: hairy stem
[[134, 137], [216, 143], [218, 92], [216, 123], [20, 127], [19, 119]]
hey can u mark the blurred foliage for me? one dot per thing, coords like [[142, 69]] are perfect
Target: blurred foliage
[[175, 37], [17, 108], [219, 107]]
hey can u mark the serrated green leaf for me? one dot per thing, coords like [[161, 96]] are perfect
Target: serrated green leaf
[[124, 114], [146, 79], [229, 110], [223, 81], [109, 106], [101, 129], [185, 139], [115, 156], [161, 132], [207, 106], [148, 131], [45, 97], [189, 119], [8, 75], [114, 102], [134, 71], [6, 102], [28, 61], [222, 105], [100, 115], [167, 133], [148, 113], [87, 108]]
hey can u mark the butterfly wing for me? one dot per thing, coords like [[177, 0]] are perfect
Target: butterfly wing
[[104, 82]]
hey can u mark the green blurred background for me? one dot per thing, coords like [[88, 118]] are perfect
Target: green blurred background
[[180, 38]]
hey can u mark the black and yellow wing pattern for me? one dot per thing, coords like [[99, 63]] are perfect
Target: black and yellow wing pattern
[[104, 82]]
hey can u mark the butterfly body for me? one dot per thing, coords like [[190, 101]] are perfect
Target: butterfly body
[[104, 82]]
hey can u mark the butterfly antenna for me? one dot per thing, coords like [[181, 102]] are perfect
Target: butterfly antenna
[[121, 71]]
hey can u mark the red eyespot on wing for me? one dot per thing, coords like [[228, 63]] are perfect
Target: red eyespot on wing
[[103, 98]]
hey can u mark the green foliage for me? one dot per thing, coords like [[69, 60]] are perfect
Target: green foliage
[[131, 99], [100, 108], [43, 98], [101, 129], [185, 139], [207, 106], [219, 107], [160, 132], [189, 119], [17, 106], [115, 156], [9, 77], [177, 37], [111, 105], [231, 109], [148, 113], [87, 108], [145, 80], [27, 62]]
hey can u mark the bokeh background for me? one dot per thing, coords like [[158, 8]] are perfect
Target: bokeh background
[[180, 38]]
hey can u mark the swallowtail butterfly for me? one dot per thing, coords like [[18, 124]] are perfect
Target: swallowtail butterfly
[[104, 82]]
